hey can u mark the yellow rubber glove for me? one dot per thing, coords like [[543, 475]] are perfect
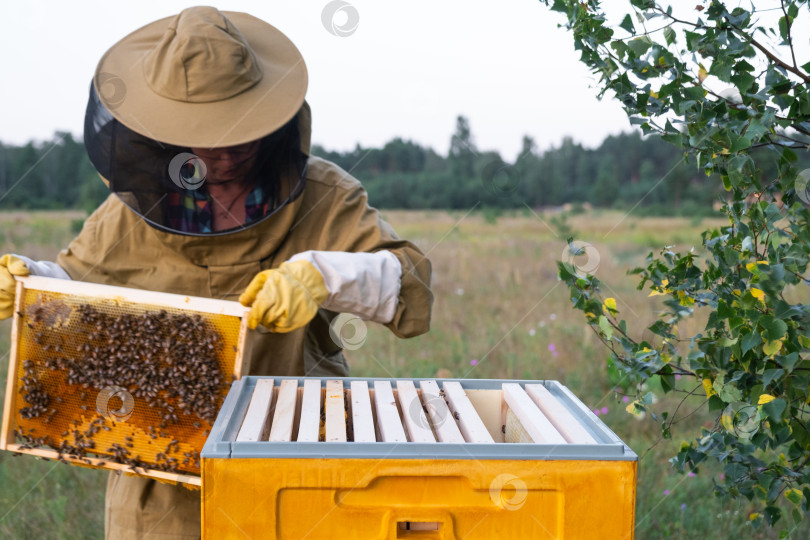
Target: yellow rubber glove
[[286, 298], [10, 266]]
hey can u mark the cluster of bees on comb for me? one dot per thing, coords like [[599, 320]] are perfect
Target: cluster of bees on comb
[[155, 365]]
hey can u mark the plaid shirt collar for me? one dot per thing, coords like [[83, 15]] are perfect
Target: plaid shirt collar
[[190, 210]]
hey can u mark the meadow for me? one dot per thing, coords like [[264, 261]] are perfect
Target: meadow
[[499, 312]]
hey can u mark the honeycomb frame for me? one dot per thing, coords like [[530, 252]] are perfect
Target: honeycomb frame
[[79, 425]]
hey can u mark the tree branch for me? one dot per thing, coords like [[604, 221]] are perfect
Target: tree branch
[[789, 37], [750, 38], [771, 56]]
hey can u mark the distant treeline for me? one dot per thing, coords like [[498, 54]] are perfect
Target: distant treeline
[[625, 171]]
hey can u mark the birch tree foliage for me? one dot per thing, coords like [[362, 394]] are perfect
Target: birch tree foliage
[[728, 84]]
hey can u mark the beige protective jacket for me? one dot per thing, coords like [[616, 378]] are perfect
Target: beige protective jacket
[[117, 247]]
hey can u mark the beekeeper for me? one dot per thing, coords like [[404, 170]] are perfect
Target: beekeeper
[[198, 125]]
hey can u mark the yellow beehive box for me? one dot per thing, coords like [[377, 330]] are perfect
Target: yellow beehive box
[[118, 378], [410, 458]]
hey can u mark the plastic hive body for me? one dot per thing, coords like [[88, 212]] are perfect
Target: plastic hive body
[[582, 485]]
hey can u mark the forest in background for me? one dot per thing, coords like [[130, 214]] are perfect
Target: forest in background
[[626, 172]]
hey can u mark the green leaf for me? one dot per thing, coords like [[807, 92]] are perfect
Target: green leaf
[[669, 35], [716, 404], [774, 409], [793, 10], [627, 24], [772, 347], [755, 130], [793, 495], [721, 68], [784, 24], [743, 81], [726, 341], [739, 143], [604, 325], [772, 514], [774, 328], [770, 375], [800, 433], [789, 361], [728, 392], [749, 341], [640, 45]]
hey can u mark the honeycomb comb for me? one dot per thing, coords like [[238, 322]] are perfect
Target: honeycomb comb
[[118, 378]]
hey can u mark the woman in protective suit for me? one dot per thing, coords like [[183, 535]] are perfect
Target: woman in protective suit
[[199, 127]]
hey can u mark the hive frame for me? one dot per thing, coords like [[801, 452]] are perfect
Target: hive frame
[[107, 292]]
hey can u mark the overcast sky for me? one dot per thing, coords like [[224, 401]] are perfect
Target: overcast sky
[[408, 69]]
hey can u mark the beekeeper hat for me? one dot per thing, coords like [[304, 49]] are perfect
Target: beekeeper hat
[[203, 78]]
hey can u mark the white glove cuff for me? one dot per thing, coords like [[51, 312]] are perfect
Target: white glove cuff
[[44, 268], [364, 284]]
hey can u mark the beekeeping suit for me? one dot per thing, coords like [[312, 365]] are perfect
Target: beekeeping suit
[[210, 79]]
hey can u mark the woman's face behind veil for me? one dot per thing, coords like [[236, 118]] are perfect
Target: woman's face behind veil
[[228, 164]]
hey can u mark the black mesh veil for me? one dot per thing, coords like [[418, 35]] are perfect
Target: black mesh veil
[[150, 177]]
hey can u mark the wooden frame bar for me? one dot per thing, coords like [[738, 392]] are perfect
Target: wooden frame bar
[[239, 359], [282, 426], [310, 423], [101, 463], [362, 417], [7, 432], [388, 419], [534, 421], [440, 416], [255, 425], [137, 296], [415, 418], [470, 424], [335, 412], [562, 420]]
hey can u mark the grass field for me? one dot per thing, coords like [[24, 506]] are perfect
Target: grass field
[[499, 312]]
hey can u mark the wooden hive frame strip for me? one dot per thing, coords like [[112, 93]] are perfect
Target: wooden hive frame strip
[[104, 463], [471, 425], [533, 420], [362, 418], [7, 432], [137, 296], [415, 418], [335, 412], [282, 426], [310, 423], [255, 424], [440, 416], [388, 420], [559, 416]]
